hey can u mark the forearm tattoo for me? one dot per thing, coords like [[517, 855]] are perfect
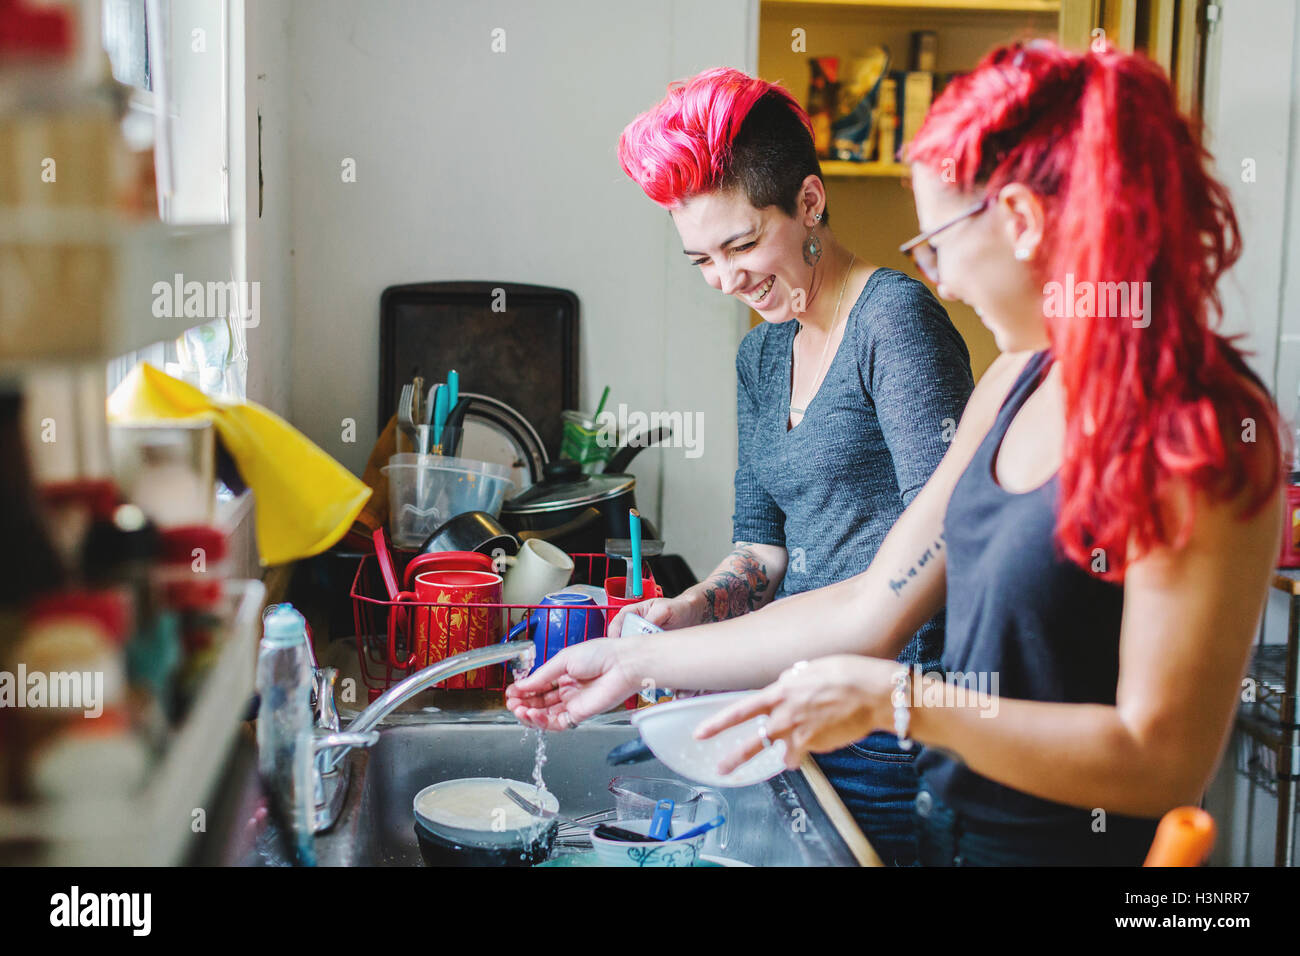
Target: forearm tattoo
[[898, 584], [737, 589]]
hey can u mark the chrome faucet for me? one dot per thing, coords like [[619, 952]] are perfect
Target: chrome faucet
[[331, 774]]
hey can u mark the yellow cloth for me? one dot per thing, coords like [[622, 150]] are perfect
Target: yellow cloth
[[306, 501]]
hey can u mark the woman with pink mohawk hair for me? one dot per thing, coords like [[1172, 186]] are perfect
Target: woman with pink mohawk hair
[[847, 391]]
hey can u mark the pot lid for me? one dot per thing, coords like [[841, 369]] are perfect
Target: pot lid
[[565, 486]]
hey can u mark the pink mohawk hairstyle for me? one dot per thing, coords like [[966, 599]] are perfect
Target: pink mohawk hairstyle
[[683, 146]]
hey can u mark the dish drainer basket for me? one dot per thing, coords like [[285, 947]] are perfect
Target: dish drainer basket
[[385, 629]]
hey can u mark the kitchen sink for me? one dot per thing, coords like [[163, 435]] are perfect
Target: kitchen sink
[[776, 823]]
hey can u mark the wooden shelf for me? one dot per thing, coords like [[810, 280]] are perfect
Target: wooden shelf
[[93, 273], [961, 6], [839, 168]]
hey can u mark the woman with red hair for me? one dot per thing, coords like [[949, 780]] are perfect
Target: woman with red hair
[[847, 392], [1101, 530]]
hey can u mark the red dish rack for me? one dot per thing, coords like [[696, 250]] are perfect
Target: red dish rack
[[385, 628]]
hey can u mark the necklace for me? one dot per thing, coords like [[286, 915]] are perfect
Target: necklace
[[835, 321]]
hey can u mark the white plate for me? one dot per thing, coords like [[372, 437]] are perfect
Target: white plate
[[487, 441], [475, 810]]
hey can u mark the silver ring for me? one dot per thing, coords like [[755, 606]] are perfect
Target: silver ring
[[762, 732]]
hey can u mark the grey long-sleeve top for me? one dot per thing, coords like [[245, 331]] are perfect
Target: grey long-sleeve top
[[829, 489]]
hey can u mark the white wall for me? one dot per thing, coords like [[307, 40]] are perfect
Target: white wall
[[261, 85], [480, 165]]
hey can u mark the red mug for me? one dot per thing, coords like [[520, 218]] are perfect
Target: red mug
[[614, 593], [448, 623], [445, 561]]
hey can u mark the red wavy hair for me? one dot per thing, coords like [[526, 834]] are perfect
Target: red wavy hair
[[1098, 138]]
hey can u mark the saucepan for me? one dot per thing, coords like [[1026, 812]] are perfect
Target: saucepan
[[578, 512]]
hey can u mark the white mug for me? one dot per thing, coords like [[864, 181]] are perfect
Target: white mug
[[537, 570]]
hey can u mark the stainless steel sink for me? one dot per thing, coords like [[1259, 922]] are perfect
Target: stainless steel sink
[[778, 823]]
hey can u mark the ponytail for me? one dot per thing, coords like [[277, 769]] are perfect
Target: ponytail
[[1154, 397]]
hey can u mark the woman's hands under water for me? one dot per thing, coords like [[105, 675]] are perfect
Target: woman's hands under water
[[576, 684]]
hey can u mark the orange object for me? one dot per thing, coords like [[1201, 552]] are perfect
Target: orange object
[[1184, 838], [615, 586], [1290, 554], [375, 513]]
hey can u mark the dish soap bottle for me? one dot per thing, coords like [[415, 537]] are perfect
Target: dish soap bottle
[[284, 727]]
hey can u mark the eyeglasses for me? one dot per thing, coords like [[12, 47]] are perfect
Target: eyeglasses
[[924, 254]]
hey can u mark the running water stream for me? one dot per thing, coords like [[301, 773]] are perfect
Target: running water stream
[[520, 669], [539, 761]]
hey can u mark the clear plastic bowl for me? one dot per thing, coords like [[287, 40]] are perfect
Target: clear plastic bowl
[[426, 490]]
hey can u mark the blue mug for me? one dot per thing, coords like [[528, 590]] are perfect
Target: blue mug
[[563, 618]]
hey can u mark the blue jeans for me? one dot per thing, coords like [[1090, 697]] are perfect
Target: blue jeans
[[877, 781], [946, 837]]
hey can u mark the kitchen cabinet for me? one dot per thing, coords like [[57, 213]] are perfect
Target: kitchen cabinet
[[870, 203]]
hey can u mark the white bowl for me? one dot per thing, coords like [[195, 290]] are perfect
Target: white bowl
[[475, 811], [651, 853], [669, 731]]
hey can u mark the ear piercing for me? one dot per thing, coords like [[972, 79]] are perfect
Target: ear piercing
[[812, 249], [1022, 254], [812, 246]]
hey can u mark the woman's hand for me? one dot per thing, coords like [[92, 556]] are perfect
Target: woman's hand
[[814, 707], [579, 682], [671, 614]]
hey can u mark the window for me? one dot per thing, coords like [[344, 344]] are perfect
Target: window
[[127, 42], [174, 55]]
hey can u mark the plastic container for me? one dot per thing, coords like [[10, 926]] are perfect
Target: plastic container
[[635, 798], [284, 723], [426, 490]]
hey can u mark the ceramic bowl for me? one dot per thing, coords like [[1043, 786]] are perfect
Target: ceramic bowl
[[656, 853], [669, 731]]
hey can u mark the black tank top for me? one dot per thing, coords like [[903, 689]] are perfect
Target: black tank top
[[1018, 609]]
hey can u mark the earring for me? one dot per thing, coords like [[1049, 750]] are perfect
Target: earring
[[1022, 254], [812, 248], [817, 218]]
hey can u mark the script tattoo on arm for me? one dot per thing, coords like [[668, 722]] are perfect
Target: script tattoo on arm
[[898, 584], [737, 589]]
